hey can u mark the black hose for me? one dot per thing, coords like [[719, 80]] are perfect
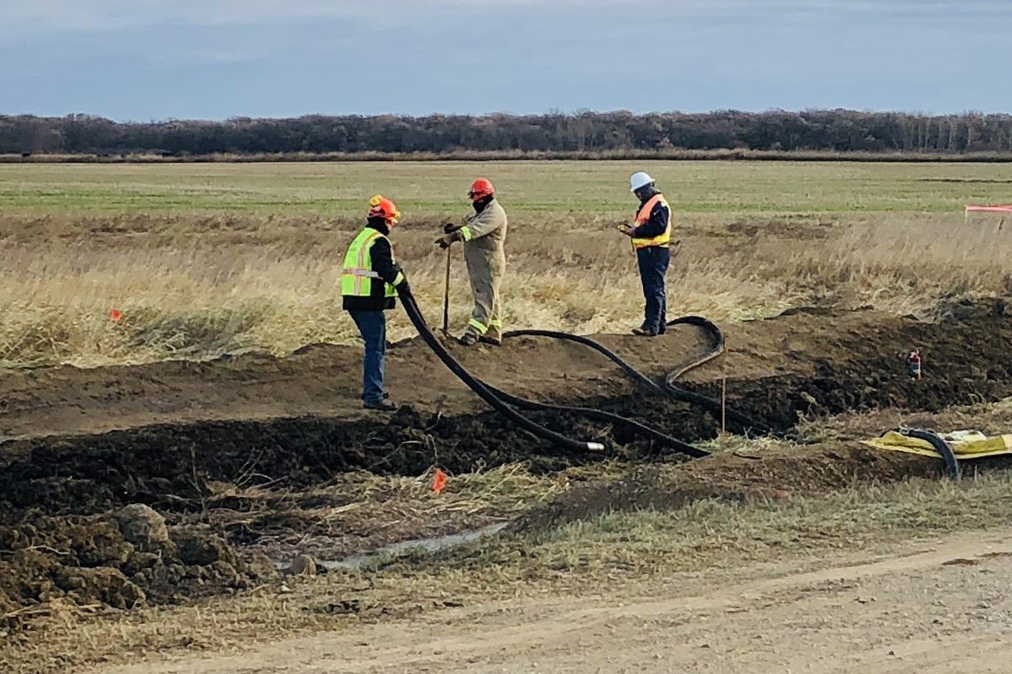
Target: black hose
[[501, 400], [411, 307], [633, 373], [668, 389], [941, 446], [743, 422], [608, 417]]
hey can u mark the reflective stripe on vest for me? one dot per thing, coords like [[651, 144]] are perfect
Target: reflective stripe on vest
[[643, 217], [357, 275]]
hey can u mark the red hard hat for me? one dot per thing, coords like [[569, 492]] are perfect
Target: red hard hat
[[381, 207], [480, 189]]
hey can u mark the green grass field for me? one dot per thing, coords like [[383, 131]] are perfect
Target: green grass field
[[531, 189], [211, 258]]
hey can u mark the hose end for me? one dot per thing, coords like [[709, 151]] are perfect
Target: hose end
[[595, 447]]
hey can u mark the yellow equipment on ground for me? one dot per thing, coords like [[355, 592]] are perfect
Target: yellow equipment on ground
[[964, 444]]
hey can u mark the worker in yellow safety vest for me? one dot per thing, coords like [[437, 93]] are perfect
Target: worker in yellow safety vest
[[369, 282], [651, 238]]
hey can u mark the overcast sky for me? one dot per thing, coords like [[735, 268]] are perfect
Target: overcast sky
[[213, 59]]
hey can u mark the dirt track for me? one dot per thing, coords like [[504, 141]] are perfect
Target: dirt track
[[936, 607]]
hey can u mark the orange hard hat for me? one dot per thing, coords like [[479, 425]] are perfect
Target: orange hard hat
[[381, 207], [480, 189]]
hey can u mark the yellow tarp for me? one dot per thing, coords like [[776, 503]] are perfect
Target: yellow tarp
[[965, 444]]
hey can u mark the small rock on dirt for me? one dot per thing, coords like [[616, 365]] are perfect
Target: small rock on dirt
[[143, 526], [303, 565]]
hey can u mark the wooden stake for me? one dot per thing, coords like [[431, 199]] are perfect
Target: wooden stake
[[723, 406]]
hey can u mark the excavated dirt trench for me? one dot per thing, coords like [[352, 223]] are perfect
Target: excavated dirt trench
[[166, 465], [63, 532]]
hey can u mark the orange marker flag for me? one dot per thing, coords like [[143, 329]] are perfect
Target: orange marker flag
[[115, 315], [438, 481]]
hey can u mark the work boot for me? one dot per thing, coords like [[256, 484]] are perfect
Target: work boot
[[381, 405], [493, 337], [640, 332], [468, 339]]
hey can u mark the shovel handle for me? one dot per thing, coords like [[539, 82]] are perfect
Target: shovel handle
[[446, 294]]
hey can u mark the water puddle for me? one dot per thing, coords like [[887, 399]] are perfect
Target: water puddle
[[434, 544]]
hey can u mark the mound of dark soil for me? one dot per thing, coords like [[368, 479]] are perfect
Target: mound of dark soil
[[123, 560], [168, 466], [864, 367]]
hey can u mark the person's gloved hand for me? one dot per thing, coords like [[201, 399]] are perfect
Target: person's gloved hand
[[445, 240], [626, 229], [449, 228]]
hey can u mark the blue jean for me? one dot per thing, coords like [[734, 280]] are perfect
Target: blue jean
[[653, 265], [372, 325]]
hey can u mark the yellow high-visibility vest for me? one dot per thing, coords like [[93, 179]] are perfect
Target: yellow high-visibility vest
[[357, 276], [643, 217]]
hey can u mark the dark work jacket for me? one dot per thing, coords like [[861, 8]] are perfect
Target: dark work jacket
[[384, 265], [658, 222]]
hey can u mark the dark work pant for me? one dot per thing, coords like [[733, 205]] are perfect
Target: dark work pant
[[372, 325], [653, 264]]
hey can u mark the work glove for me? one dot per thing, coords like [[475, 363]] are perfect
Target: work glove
[[626, 229], [445, 240], [449, 228]]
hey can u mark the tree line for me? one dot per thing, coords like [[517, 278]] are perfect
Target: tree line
[[841, 131]]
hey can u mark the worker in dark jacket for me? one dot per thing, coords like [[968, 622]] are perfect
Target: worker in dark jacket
[[370, 280], [651, 239]]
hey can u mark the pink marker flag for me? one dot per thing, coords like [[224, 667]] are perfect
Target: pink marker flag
[[989, 209]]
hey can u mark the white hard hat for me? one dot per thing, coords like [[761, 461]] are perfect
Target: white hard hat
[[638, 180]]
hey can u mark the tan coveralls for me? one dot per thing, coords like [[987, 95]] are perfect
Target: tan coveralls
[[484, 235]]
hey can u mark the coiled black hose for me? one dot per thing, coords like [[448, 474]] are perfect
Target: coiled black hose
[[501, 401], [668, 389]]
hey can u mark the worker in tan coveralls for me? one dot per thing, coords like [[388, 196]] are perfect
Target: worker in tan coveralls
[[483, 234]]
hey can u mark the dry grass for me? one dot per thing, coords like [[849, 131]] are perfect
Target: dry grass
[[990, 418], [361, 511], [204, 261], [206, 298]]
